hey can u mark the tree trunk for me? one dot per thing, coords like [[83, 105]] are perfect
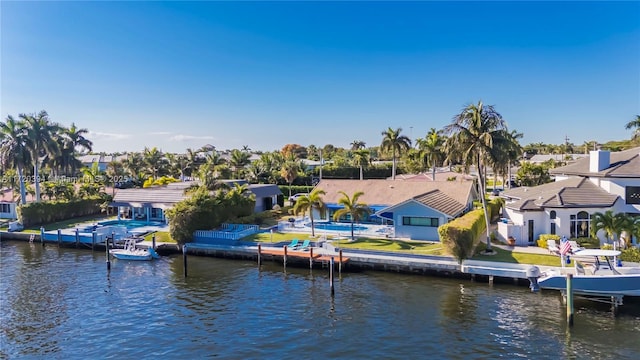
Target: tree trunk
[[433, 173], [36, 179], [484, 202], [361, 173], [23, 188], [313, 234], [352, 236]]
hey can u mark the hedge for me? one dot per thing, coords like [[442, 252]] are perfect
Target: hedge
[[44, 212], [542, 240], [461, 235]]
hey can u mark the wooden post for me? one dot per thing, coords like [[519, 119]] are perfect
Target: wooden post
[[340, 264], [106, 247], [77, 238], [59, 237], [184, 259], [285, 257], [570, 299], [331, 266], [94, 235], [490, 279], [259, 254], [113, 239], [310, 258], [42, 236]]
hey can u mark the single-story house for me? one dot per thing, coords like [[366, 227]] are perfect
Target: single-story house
[[603, 181], [415, 209], [151, 204]]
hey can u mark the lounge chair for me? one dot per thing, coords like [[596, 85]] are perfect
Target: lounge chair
[[304, 246], [575, 247], [553, 247], [293, 245]]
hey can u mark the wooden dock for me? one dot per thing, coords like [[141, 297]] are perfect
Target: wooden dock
[[314, 256]]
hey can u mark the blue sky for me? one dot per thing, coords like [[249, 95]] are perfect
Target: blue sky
[[180, 75]]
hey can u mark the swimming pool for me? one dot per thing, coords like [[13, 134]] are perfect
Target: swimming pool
[[130, 224], [336, 226]]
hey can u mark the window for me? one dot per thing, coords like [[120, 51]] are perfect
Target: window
[[552, 215], [579, 225], [531, 228], [420, 221], [632, 195], [553, 228], [5, 208]]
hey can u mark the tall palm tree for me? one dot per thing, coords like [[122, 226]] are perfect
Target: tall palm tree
[[635, 123], [193, 161], [352, 207], [357, 145], [396, 143], [310, 202], [71, 141], [133, 164], [40, 141], [13, 150], [473, 134], [289, 171], [152, 159], [611, 223], [431, 150], [239, 159], [362, 160]]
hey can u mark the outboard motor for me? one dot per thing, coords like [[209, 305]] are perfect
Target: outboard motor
[[533, 273]]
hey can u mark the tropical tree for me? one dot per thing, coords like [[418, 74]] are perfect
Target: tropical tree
[[289, 171], [14, 152], [352, 208], [239, 159], [612, 224], [358, 144], [362, 160], [431, 150], [634, 124], [40, 142], [73, 140], [475, 136], [152, 161], [396, 143], [310, 202]]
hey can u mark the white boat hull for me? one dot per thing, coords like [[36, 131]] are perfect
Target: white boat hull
[[627, 285], [135, 254]]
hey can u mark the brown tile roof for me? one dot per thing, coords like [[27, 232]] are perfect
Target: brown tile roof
[[391, 192], [439, 201], [569, 193], [440, 176], [623, 164]]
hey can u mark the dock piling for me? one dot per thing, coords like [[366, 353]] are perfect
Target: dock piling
[[94, 236], [331, 266], [184, 259], [77, 238], [153, 241], [106, 250], [285, 258], [42, 236], [59, 237], [310, 258], [340, 263], [570, 299], [259, 254]]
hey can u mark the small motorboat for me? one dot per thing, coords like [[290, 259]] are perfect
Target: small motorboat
[[132, 252]]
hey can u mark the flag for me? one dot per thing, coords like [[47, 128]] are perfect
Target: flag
[[565, 247]]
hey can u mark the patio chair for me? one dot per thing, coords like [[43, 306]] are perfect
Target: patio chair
[[304, 246], [553, 247], [293, 245], [575, 247]]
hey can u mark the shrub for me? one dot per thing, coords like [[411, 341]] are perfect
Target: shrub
[[542, 240], [461, 235], [631, 254], [588, 243], [46, 212]]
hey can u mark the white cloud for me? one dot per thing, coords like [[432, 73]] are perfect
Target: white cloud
[[160, 133], [182, 137], [97, 135]]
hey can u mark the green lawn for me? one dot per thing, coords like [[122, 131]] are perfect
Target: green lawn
[[161, 236], [277, 237], [413, 247], [519, 258]]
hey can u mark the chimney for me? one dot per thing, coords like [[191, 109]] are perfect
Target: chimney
[[599, 160]]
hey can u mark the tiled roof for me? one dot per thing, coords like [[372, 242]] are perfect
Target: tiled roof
[[391, 192], [623, 164], [439, 201], [569, 193], [440, 176]]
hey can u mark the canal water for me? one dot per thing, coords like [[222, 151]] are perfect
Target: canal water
[[62, 304]]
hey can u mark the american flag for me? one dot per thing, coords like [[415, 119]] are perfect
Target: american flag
[[565, 247]]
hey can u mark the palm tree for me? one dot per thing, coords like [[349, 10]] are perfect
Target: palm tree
[[392, 140], [431, 150], [289, 171], [310, 202], [635, 123], [357, 145], [239, 159], [13, 150], [152, 160], [40, 142], [352, 207], [473, 135], [361, 159], [612, 225]]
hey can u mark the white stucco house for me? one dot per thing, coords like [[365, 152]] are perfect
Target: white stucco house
[[602, 181], [415, 209], [151, 204]]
